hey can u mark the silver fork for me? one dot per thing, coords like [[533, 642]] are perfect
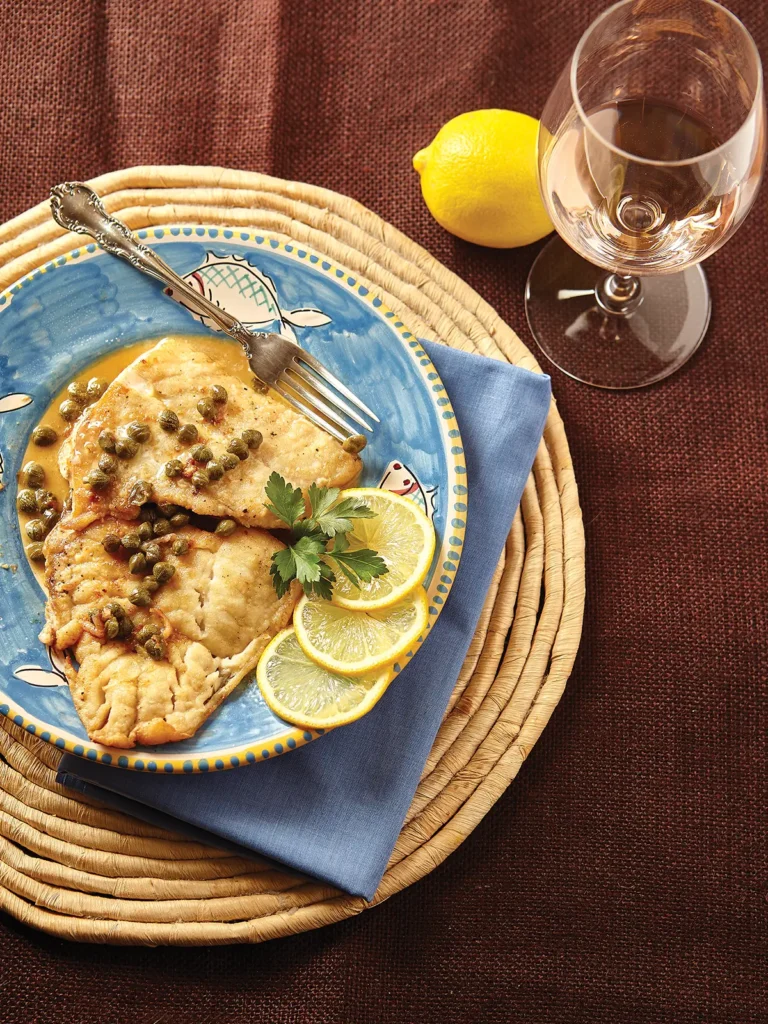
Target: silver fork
[[294, 373]]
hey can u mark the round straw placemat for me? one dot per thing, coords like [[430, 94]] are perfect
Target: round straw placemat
[[78, 870]]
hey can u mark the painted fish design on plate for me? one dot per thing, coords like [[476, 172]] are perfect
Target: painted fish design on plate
[[400, 479]]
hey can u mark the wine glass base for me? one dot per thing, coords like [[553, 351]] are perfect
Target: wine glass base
[[603, 349]]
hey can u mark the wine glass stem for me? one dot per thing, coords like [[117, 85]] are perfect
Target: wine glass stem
[[619, 294]]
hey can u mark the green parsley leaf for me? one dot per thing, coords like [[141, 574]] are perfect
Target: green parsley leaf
[[285, 501], [338, 518], [306, 556], [321, 499], [359, 566], [280, 585]]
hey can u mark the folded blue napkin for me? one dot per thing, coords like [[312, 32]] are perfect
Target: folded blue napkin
[[333, 809]]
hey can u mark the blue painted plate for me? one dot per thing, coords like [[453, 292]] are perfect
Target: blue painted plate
[[70, 312]]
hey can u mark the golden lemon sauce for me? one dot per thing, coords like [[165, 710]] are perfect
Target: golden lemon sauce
[[107, 368]]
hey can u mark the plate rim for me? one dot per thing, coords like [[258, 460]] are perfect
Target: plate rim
[[448, 556]]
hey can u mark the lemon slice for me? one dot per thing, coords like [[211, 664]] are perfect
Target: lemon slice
[[303, 693], [402, 535], [351, 642]]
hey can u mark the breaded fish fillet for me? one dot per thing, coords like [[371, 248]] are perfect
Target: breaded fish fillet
[[215, 617], [174, 376]]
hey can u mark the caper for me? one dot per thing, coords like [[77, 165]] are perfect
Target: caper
[[111, 628], [179, 520], [112, 543], [168, 509], [35, 552], [228, 461], [69, 410], [219, 394], [137, 564], [152, 553], [44, 436], [206, 408], [140, 493], [354, 444], [160, 527], [35, 529], [202, 453], [168, 420], [145, 531], [45, 499], [238, 447], [173, 468], [146, 632], [51, 516], [108, 464], [96, 388], [125, 448], [225, 526], [138, 431], [259, 386], [150, 583], [180, 546], [252, 438], [25, 499], [147, 514], [96, 480], [126, 628], [188, 433], [155, 648], [78, 392], [163, 571], [140, 596], [34, 474], [214, 469], [200, 478], [131, 542], [115, 609], [107, 440]]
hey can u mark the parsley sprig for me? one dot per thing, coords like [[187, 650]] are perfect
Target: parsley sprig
[[318, 539]]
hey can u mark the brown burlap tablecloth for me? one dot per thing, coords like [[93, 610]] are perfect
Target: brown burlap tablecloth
[[623, 876]]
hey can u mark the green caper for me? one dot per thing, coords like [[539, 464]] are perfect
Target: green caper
[[34, 474], [206, 408], [168, 420], [252, 438], [107, 440], [25, 499], [51, 516], [173, 468], [188, 433], [168, 509], [95, 388], [155, 648], [137, 564], [152, 553], [200, 478], [147, 514], [140, 493], [69, 410], [138, 431], [126, 628], [238, 447], [35, 529], [146, 632], [78, 392], [111, 628], [179, 520], [160, 527], [43, 436], [108, 464], [163, 571], [45, 499], [140, 596], [354, 444], [96, 480], [150, 583], [125, 448], [219, 394], [112, 543], [35, 552], [145, 531], [225, 526], [131, 542], [228, 461], [202, 453], [214, 469], [180, 546], [115, 609]]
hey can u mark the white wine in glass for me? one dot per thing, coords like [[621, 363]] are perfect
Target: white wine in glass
[[651, 152]]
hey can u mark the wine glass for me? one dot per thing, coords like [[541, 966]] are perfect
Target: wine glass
[[651, 150]]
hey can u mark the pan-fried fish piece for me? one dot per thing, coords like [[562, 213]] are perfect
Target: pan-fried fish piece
[[175, 375], [215, 615]]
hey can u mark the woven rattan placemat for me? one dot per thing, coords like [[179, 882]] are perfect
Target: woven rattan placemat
[[77, 870]]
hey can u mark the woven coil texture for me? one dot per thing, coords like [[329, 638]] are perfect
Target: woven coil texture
[[80, 871]]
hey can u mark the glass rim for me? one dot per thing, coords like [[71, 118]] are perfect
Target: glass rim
[[757, 99]]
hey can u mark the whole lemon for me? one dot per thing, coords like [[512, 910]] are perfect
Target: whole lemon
[[479, 179]]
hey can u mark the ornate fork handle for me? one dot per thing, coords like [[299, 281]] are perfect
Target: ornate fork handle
[[76, 207]]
